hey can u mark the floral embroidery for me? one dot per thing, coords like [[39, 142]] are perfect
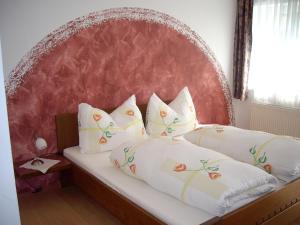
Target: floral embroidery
[[130, 112], [106, 134], [135, 121], [259, 159], [117, 163], [132, 168], [164, 133], [206, 166], [128, 161], [102, 140], [169, 128], [214, 175], [180, 167], [97, 116], [163, 113], [268, 168]]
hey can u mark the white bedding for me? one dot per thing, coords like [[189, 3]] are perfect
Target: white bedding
[[162, 206], [200, 177], [276, 154]]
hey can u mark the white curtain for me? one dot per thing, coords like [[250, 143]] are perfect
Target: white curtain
[[275, 59]]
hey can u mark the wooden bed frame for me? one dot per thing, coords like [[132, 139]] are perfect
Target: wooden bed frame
[[278, 207]]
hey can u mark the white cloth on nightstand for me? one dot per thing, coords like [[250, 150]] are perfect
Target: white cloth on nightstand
[[43, 167]]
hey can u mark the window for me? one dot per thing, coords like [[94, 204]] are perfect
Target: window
[[275, 58]]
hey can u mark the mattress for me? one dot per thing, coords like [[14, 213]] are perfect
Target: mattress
[[161, 205]]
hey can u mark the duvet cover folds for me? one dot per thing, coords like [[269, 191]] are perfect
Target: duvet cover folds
[[277, 155], [197, 176]]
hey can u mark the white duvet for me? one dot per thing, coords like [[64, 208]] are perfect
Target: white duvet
[[278, 155], [199, 177]]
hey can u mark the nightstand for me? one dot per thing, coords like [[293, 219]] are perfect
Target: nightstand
[[64, 167]]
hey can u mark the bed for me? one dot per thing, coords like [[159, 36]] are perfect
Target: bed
[[101, 59], [278, 207]]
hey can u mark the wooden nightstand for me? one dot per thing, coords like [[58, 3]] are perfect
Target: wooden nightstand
[[64, 167]]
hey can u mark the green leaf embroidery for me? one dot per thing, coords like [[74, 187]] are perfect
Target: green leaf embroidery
[[108, 134], [213, 168], [130, 159], [259, 159], [169, 130], [253, 150], [263, 158], [203, 161]]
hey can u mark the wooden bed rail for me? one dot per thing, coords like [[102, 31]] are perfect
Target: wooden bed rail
[[273, 205]]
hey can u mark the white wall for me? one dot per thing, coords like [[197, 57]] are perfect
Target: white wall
[[24, 23], [9, 210]]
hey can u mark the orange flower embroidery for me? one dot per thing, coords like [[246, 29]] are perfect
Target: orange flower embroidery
[[130, 112], [268, 168], [132, 168], [102, 140], [97, 117], [180, 167], [164, 134], [117, 163], [163, 113], [214, 175]]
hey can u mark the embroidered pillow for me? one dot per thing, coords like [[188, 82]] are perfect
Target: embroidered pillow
[[177, 118], [129, 117], [99, 131], [184, 105]]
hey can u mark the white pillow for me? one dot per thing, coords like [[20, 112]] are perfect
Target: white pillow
[[129, 117], [99, 131], [177, 118]]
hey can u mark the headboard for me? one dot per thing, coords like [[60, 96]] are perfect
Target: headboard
[[102, 59]]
